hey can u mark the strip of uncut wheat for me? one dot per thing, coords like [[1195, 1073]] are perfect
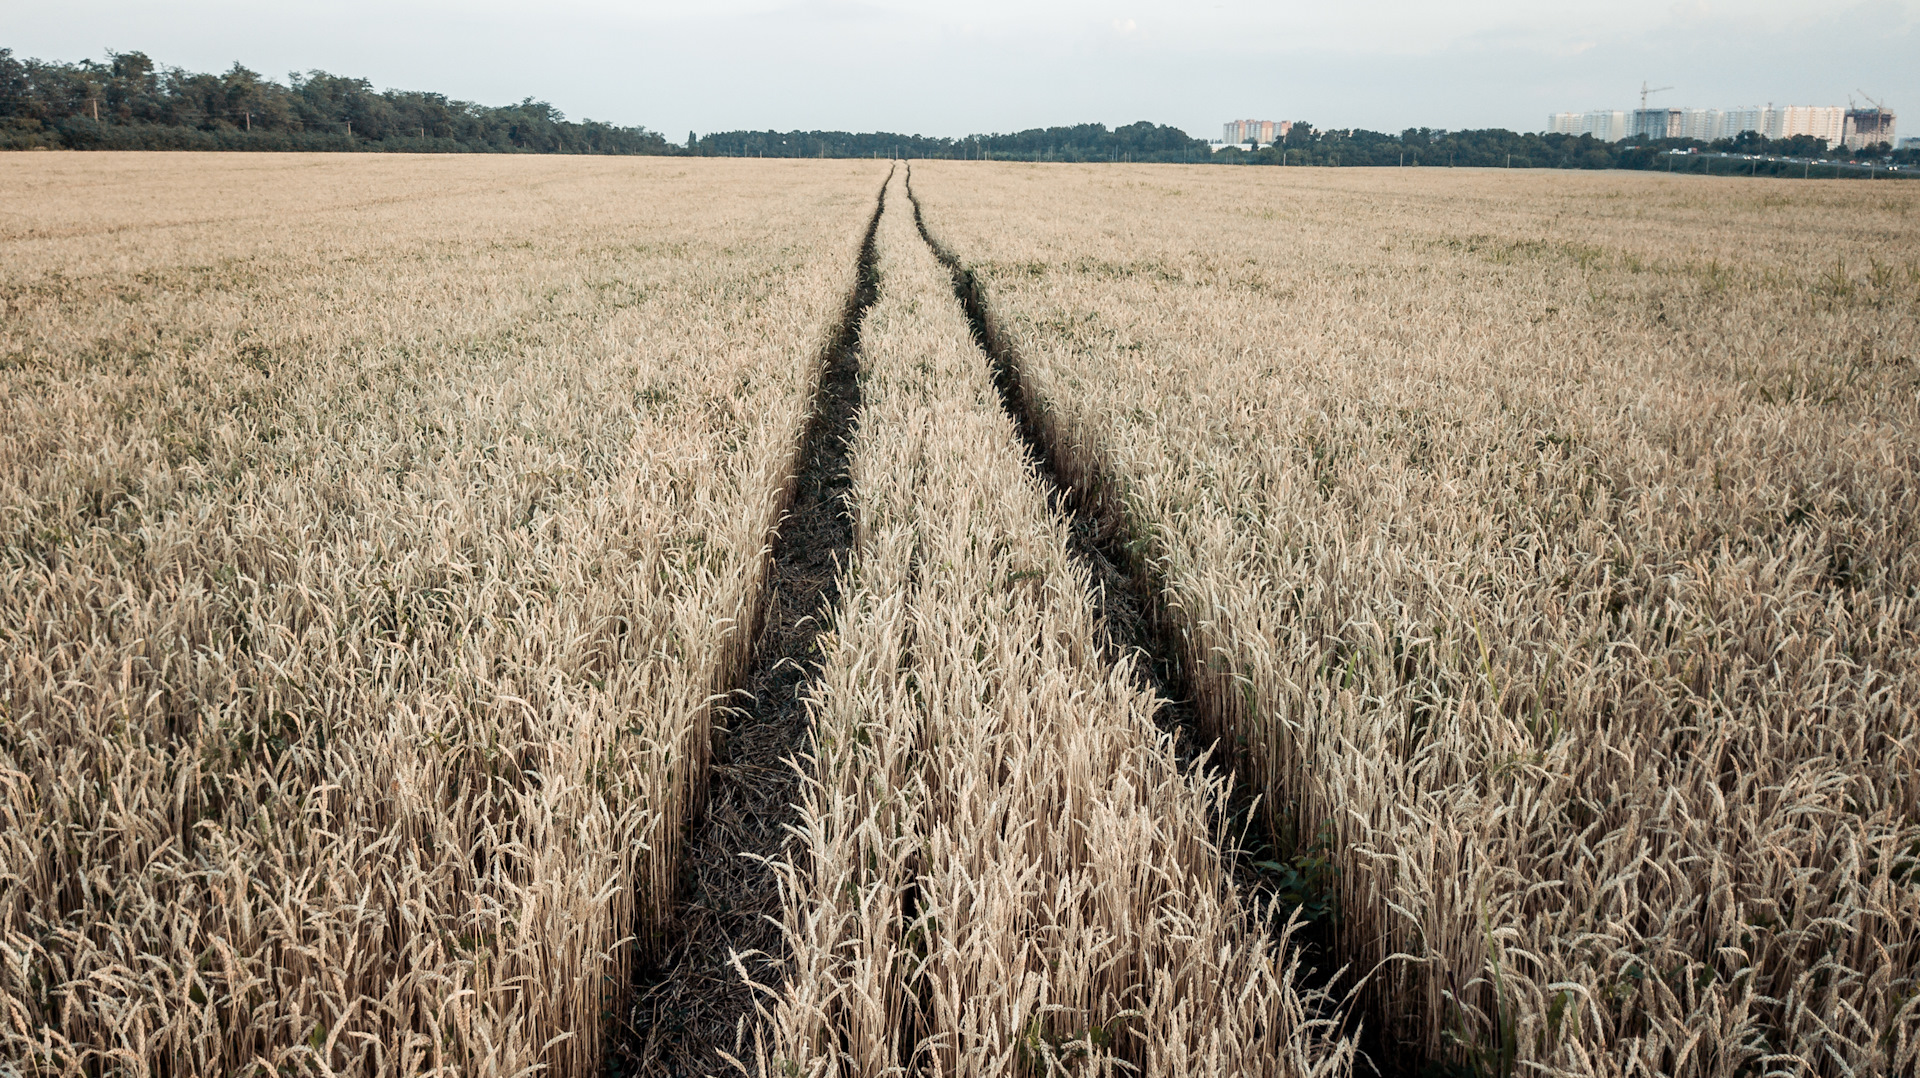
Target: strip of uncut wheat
[[1003, 868], [375, 534], [1548, 543]]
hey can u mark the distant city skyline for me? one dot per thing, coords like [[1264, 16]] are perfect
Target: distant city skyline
[[995, 66], [1857, 126]]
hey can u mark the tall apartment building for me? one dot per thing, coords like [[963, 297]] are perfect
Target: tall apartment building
[[1731, 122], [1709, 123], [1607, 125], [1258, 132], [1867, 127], [1821, 121], [1657, 123]]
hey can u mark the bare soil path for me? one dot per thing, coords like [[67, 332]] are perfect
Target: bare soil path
[[694, 1005]]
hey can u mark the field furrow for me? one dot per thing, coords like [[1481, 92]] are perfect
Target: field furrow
[[1002, 867], [692, 1005]]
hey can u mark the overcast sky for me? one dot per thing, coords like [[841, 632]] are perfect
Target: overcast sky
[[1002, 65]]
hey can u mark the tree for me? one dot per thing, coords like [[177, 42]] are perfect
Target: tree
[[132, 89], [15, 87]]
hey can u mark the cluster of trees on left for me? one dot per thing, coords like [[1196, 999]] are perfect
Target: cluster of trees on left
[[129, 102]]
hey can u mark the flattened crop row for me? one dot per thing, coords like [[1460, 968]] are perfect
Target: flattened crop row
[[1002, 865]]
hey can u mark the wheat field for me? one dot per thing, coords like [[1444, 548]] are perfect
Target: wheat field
[[1547, 548], [376, 534], [1295, 622]]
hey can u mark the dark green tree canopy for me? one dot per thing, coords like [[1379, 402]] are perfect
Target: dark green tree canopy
[[1141, 141], [130, 102]]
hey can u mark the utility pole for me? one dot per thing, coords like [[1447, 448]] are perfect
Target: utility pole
[[249, 121], [95, 102]]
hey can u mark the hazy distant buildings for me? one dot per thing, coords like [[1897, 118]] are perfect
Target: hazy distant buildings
[[1256, 132], [1607, 125], [1656, 123], [1727, 123], [1820, 121], [1707, 125]]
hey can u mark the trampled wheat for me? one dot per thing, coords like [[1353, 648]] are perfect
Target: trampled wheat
[[1004, 870]]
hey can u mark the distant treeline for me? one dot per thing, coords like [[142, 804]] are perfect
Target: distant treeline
[[1140, 141], [130, 103], [1497, 148], [1304, 145]]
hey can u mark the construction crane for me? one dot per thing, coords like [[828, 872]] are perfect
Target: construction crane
[[1877, 105], [1645, 90]]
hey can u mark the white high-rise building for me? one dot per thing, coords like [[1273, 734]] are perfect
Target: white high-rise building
[[1607, 125], [1703, 124], [1734, 121], [1821, 121], [1257, 132]]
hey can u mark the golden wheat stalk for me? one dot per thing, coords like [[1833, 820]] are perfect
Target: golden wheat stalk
[[370, 565], [1546, 544]]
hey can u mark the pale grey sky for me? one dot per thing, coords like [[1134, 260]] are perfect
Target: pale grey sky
[[1001, 65]]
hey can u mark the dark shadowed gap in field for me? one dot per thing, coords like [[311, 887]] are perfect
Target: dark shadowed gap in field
[[686, 1010], [1130, 597]]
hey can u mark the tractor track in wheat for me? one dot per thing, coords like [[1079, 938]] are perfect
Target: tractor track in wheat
[[1130, 595], [696, 1003]]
